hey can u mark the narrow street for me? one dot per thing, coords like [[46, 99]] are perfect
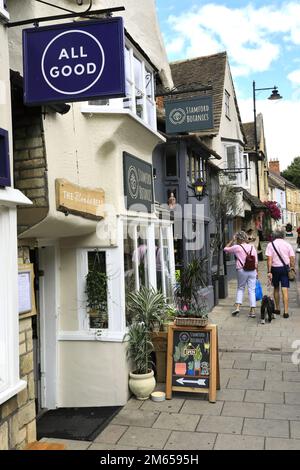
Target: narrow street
[[258, 405]]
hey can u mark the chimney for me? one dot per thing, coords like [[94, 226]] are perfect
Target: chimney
[[274, 165]]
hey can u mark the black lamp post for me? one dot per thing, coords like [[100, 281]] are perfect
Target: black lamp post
[[274, 96]]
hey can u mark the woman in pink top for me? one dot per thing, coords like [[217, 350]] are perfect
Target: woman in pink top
[[281, 258], [241, 249]]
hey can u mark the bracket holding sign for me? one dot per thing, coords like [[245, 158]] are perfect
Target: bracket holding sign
[[193, 361]]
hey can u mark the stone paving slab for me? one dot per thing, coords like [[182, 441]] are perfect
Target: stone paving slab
[[230, 395], [136, 418], [266, 357], [111, 434], [246, 384], [226, 363], [266, 427], [177, 422], [265, 374], [202, 408], [133, 404], [190, 441], [295, 429], [236, 356], [145, 437], [234, 374], [101, 446], [282, 386], [255, 365], [221, 424], [282, 444], [255, 396], [168, 406], [291, 412], [229, 442], [292, 398], [243, 410], [291, 376], [282, 366], [70, 444]]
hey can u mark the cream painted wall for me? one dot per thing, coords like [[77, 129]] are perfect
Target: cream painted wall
[[68, 318], [93, 373]]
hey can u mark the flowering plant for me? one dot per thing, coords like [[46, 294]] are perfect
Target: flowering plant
[[274, 210]]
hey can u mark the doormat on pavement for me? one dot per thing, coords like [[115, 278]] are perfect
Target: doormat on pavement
[[79, 424]]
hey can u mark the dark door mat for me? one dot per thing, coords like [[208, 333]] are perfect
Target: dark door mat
[[79, 424]]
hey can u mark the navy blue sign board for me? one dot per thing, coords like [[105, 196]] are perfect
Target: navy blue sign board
[[76, 61], [190, 115], [5, 179], [193, 361], [138, 184]]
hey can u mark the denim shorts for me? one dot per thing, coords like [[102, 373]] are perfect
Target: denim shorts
[[280, 276]]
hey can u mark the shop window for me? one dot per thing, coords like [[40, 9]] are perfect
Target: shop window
[[97, 290], [164, 275], [171, 161], [140, 96]]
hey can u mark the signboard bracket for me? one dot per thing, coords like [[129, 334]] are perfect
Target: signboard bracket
[[87, 14]]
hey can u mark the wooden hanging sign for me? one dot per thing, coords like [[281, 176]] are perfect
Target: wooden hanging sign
[[193, 361]]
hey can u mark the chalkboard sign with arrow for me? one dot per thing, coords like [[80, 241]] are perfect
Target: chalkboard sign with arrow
[[193, 361]]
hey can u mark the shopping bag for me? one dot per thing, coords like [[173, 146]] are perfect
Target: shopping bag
[[258, 291]]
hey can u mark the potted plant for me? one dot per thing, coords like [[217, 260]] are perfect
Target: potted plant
[[96, 292], [169, 318], [147, 306]]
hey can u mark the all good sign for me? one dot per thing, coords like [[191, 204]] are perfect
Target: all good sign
[[74, 62]]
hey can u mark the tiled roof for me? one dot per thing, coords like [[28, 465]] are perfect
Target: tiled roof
[[254, 201], [283, 181], [275, 180], [207, 70]]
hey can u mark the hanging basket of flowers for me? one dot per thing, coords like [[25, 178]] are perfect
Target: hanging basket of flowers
[[274, 210]]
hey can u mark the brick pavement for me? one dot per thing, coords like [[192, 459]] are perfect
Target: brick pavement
[[258, 406]]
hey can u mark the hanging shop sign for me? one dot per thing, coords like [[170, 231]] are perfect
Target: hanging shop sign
[[4, 159], [192, 115], [193, 361], [138, 184], [84, 202], [74, 62]]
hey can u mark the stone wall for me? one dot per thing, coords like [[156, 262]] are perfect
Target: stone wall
[[30, 166], [17, 416]]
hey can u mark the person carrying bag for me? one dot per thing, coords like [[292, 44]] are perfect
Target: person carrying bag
[[281, 269]]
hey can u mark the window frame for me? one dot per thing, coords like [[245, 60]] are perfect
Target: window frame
[[4, 15], [117, 105], [239, 159], [227, 104]]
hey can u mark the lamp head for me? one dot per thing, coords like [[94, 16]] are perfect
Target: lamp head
[[199, 188], [275, 94]]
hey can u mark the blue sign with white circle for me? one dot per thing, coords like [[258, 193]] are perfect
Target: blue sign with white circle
[[74, 62]]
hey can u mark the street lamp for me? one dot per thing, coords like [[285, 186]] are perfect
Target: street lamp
[[274, 96]]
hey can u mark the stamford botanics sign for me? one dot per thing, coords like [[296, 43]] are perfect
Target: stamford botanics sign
[[138, 184], [192, 115], [74, 62]]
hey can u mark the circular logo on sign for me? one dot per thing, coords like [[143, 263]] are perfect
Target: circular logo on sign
[[184, 337], [177, 116], [133, 182], [73, 62]]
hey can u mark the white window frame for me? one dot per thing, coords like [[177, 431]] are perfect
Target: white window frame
[[239, 163], [117, 105], [10, 383], [4, 15]]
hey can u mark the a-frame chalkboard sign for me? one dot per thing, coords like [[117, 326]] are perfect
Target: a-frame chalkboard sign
[[193, 361]]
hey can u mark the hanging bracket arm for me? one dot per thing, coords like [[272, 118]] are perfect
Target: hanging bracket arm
[[86, 14]]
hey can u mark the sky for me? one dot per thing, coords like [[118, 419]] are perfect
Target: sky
[[262, 40]]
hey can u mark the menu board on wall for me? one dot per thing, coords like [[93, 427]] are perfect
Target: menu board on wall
[[26, 294], [193, 363]]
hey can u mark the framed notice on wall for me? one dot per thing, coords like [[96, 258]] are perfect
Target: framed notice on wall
[[26, 290], [193, 361]]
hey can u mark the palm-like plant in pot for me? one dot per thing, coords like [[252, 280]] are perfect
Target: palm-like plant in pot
[[146, 306]]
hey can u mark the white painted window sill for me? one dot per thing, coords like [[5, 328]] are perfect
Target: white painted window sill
[[12, 391], [102, 110], [91, 336]]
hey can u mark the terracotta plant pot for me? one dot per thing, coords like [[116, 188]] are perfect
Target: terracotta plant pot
[[180, 368], [142, 385]]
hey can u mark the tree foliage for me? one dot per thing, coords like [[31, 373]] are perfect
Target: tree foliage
[[292, 173]]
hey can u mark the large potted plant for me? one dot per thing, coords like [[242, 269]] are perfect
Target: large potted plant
[[192, 308], [146, 306]]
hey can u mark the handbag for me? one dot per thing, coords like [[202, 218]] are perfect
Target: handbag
[[291, 271], [258, 291]]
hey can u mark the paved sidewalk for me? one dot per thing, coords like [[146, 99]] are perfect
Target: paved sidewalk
[[258, 405]]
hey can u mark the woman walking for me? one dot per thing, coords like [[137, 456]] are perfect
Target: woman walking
[[246, 267]]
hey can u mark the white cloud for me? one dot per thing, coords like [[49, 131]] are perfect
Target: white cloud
[[294, 77], [281, 123], [175, 46], [252, 37]]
